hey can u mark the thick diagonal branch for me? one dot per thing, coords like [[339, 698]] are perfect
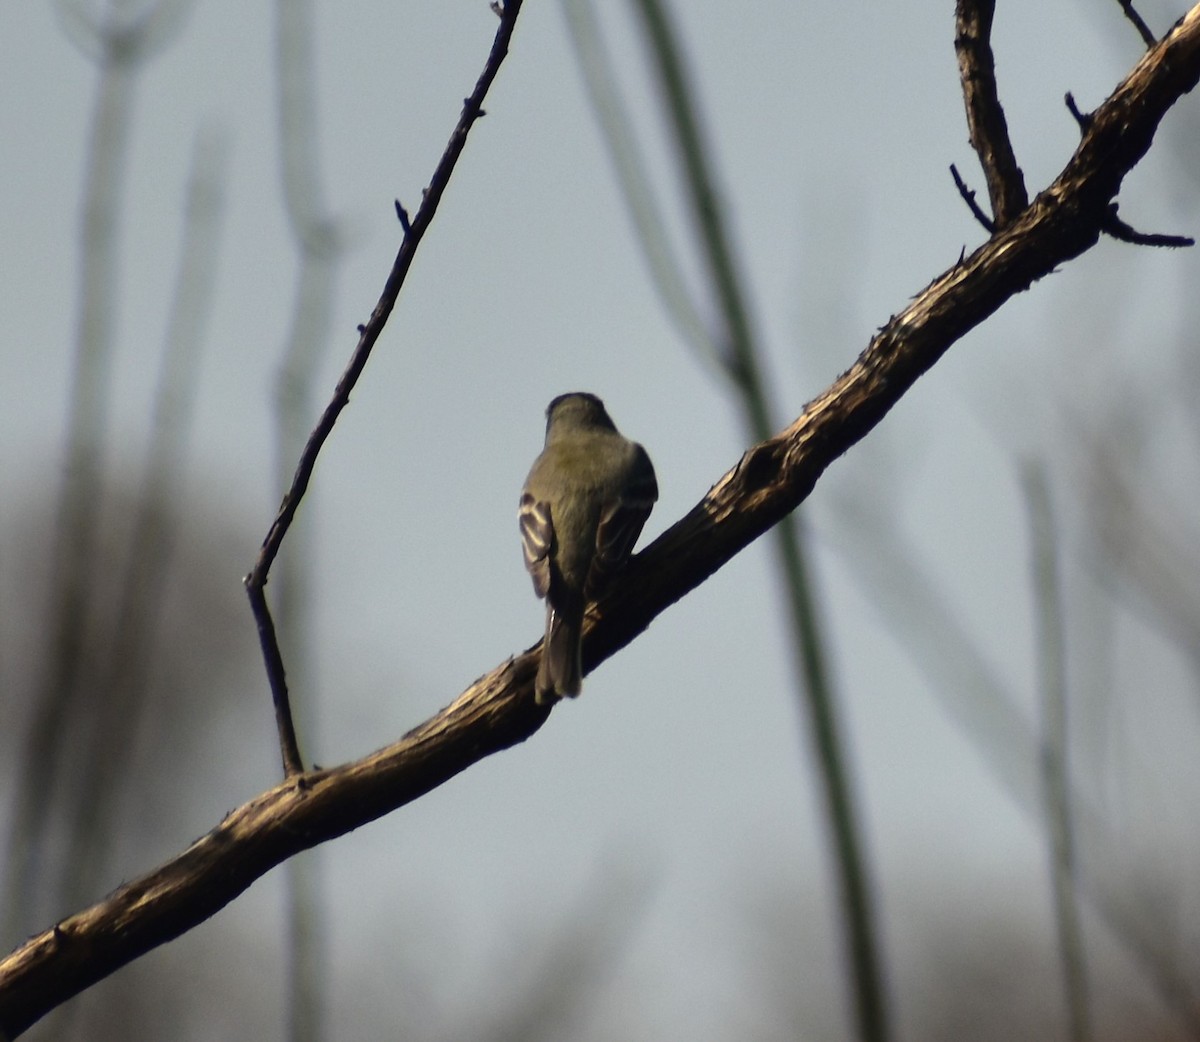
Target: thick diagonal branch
[[498, 710]]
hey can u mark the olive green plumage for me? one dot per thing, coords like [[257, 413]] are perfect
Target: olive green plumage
[[585, 501]]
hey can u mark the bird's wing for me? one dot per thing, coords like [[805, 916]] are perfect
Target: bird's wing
[[621, 523], [537, 539]]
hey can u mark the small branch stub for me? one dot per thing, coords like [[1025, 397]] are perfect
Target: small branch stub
[[1084, 119], [1143, 29], [968, 196], [1114, 227]]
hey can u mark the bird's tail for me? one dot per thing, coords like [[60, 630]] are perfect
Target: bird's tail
[[561, 669]]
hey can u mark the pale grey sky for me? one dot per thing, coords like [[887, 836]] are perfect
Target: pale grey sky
[[685, 762]]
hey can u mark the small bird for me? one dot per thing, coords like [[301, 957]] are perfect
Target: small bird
[[583, 506]]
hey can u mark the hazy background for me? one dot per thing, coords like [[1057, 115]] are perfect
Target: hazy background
[[662, 831]]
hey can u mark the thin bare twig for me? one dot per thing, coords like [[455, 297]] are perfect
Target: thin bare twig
[[1112, 225], [256, 580], [1148, 38], [985, 115], [1118, 229], [968, 196]]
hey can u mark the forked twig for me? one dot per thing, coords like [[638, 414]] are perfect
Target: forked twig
[[414, 230]]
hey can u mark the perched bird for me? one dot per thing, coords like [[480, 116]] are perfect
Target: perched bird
[[583, 506]]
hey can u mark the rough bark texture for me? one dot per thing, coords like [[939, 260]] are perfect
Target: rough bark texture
[[985, 116]]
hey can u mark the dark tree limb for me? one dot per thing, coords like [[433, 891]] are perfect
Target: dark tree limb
[[985, 116], [414, 231], [769, 481]]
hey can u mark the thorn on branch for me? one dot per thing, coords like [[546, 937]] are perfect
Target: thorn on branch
[[361, 327], [1113, 226], [402, 213], [497, 8], [968, 196], [1143, 29], [1084, 119]]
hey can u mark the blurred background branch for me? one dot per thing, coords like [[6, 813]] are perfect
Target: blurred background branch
[[319, 244], [1050, 642], [104, 756], [69, 714], [734, 347]]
